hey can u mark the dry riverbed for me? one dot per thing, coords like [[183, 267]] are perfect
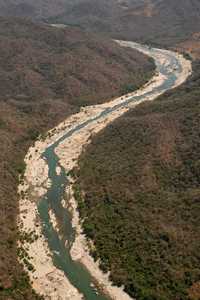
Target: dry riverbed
[[45, 277]]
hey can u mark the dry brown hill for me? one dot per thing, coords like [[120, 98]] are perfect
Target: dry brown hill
[[165, 22], [161, 21]]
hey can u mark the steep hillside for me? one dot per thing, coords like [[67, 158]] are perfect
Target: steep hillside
[[33, 9], [161, 21], [45, 75], [140, 181], [41, 62], [165, 22]]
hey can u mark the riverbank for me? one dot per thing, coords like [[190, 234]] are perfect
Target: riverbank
[[48, 280]]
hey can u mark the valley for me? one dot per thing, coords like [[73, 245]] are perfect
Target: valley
[[110, 195], [47, 195]]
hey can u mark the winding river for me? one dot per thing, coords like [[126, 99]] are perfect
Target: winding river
[[60, 243]]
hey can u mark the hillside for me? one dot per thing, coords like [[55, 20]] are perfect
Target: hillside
[[165, 22], [45, 75], [159, 21], [37, 9], [47, 63], [146, 195]]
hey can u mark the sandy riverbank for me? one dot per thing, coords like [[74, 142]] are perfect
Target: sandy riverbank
[[48, 280]]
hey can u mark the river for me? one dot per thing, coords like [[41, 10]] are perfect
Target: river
[[61, 243]]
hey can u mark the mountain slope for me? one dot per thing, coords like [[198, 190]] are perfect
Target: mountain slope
[[160, 21], [33, 9], [143, 20]]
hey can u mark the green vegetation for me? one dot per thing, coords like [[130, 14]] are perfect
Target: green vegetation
[[128, 88], [2, 124], [141, 184], [20, 284], [33, 134], [24, 257], [19, 167], [28, 237]]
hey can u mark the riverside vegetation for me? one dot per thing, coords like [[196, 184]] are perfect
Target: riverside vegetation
[[137, 186], [47, 74]]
